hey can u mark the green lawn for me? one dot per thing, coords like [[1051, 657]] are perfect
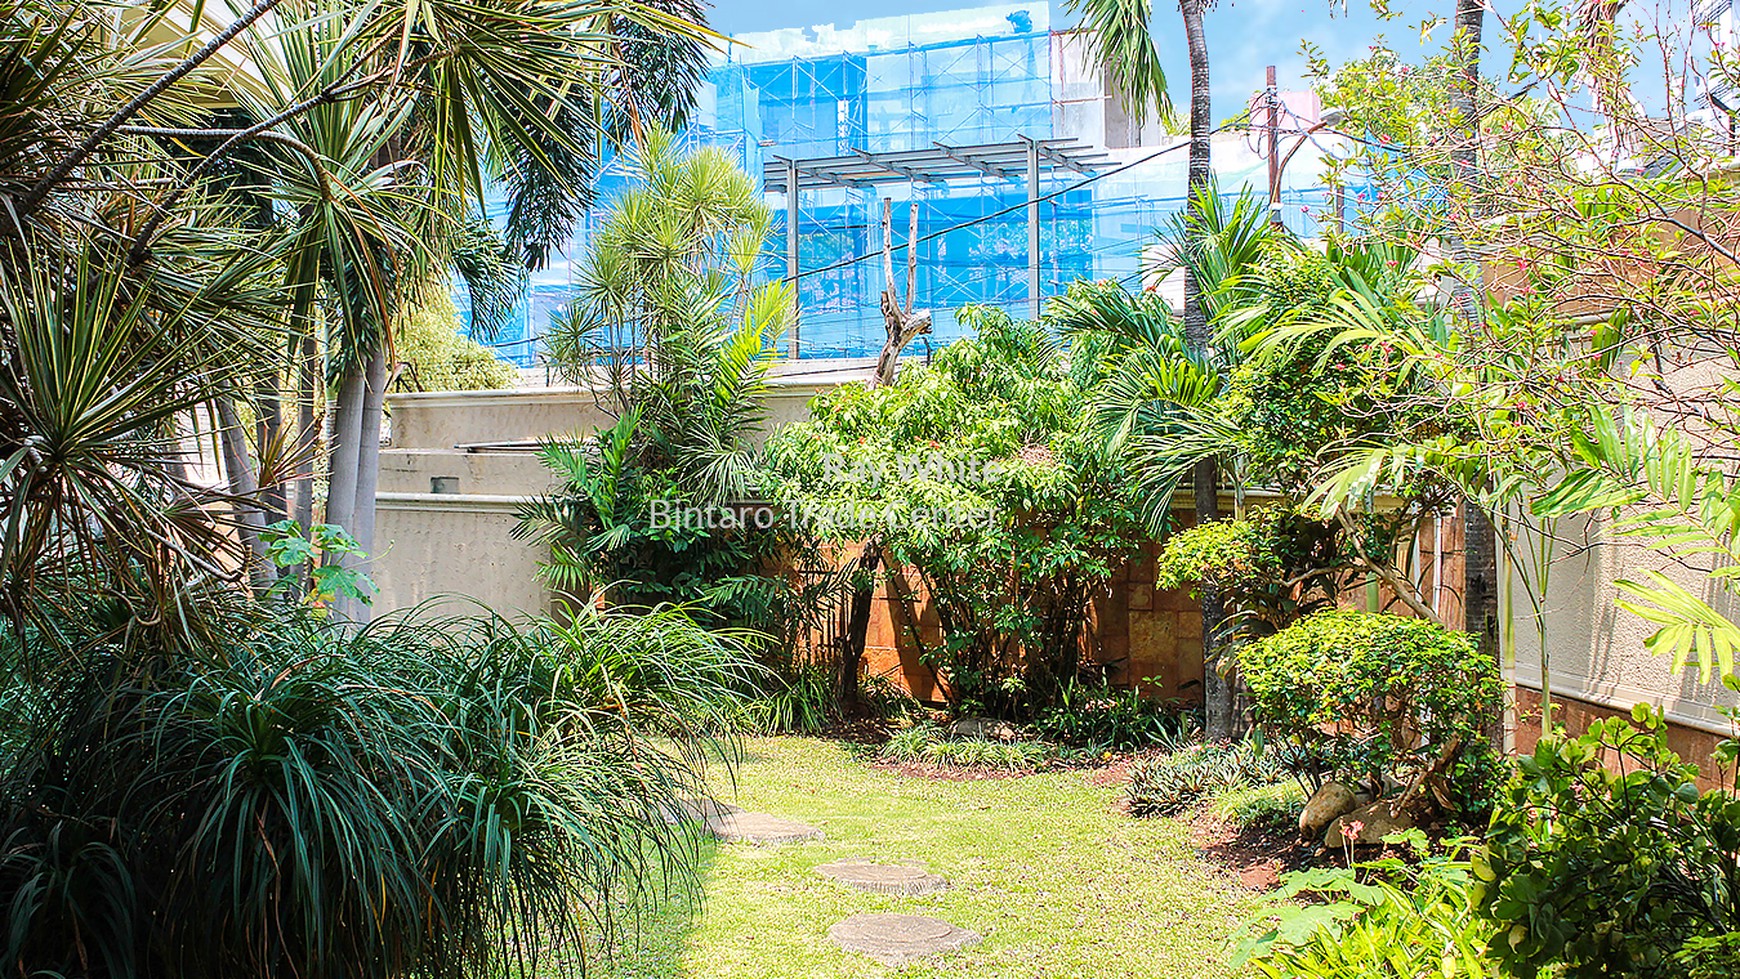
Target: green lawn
[[1059, 884]]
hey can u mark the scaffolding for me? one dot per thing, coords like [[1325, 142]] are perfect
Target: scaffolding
[[1025, 172]]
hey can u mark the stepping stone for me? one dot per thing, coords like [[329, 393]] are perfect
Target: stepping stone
[[897, 939], [884, 878], [759, 829]]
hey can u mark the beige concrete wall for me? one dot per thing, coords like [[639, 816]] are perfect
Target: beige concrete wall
[[458, 542], [445, 420], [452, 547], [1594, 648]]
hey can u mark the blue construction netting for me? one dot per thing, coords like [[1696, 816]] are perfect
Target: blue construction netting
[[985, 88]]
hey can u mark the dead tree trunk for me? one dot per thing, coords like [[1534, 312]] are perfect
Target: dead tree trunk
[[903, 324]]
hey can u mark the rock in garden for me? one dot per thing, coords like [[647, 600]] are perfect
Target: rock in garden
[[760, 829], [1331, 799], [897, 939], [884, 878], [983, 727], [1367, 825]]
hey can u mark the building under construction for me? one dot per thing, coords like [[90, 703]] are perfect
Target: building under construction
[[1026, 172]]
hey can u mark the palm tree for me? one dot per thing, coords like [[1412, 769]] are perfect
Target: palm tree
[[182, 257], [1125, 50], [669, 327]]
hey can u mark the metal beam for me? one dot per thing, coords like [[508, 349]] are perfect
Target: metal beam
[[967, 160], [1051, 154], [1033, 223], [878, 160], [791, 250]]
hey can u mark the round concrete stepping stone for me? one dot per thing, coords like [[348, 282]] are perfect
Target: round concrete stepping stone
[[760, 829], [897, 939], [884, 878]]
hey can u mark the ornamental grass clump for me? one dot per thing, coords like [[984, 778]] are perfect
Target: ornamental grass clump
[[442, 797]]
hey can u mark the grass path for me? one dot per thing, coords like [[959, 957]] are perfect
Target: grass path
[[1059, 884]]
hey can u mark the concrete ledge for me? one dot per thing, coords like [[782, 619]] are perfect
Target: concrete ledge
[[467, 502], [1622, 697]]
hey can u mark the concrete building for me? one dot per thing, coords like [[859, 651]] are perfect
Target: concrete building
[[941, 111]]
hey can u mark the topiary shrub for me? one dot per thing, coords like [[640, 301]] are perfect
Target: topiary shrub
[[1374, 697], [1606, 859]]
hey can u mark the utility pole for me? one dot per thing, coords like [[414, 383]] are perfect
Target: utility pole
[[1033, 223], [1272, 95]]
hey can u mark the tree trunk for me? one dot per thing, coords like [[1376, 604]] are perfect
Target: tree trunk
[[342, 449], [1218, 721], [1480, 543], [268, 436], [368, 470], [242, 484], [308, 370], [858, 626], [902, 324]]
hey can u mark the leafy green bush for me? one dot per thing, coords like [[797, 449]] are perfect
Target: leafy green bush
[[1099, 717], [1375, 696], [1271, 568], [440, 358], [1711, 958], [1386, 919], [1169, 783], [1615, 866], [1263, 808], [459, 798], [981, 474]]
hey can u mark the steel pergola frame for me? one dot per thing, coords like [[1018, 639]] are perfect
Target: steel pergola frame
[[937, 164]]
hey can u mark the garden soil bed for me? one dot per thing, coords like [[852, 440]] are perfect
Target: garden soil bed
[[1257, 858]]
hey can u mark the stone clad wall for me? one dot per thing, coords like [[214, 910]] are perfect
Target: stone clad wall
[[1139, 633]]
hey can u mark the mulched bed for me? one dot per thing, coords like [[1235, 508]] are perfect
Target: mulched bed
[[1256, 857], [948, 773]]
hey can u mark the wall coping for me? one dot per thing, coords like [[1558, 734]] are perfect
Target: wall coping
[[568, 395], [463, 502]]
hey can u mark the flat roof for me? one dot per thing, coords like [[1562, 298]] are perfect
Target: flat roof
[[937, 163]]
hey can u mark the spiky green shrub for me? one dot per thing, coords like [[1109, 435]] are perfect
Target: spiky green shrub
[[1098, 717], [460, 797], [807, 701], [1272, 808], [1169, 783]]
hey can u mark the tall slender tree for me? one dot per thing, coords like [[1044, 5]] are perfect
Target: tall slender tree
[[1124, 46], [1480, 539]]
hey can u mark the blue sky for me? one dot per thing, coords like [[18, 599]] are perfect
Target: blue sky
[[1243, 35]]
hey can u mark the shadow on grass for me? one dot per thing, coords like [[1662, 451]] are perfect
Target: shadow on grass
[[652, 944]]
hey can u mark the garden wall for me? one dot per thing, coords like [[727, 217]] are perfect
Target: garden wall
[[1145, 637], [1594, 651], [460, 464]]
